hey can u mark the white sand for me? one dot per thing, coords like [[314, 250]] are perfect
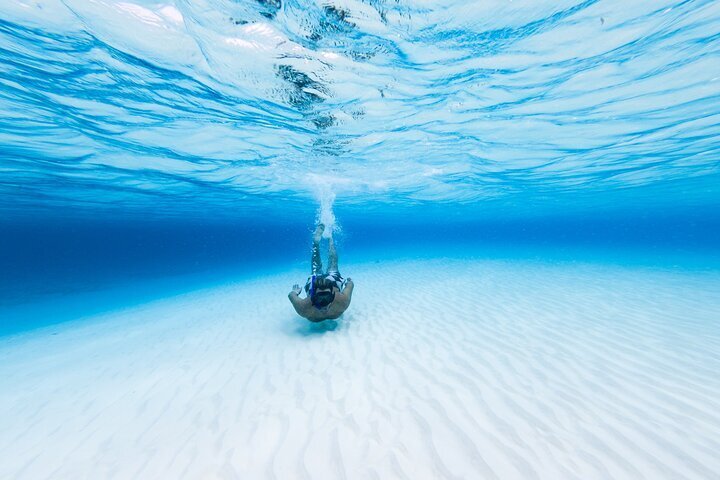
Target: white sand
[[441, 369]]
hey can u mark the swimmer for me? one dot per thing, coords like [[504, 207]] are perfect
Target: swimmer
[[327, 294]]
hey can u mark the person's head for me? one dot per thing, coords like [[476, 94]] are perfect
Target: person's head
[[323, 294]]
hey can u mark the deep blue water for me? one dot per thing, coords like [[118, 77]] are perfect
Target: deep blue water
[[143, 141]]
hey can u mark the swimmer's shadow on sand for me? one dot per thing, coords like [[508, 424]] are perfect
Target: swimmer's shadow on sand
[[310, 329], [305, 328]]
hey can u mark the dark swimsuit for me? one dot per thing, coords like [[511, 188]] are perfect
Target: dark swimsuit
[[333, 277]]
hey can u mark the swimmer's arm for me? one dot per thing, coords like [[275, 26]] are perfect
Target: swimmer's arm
[[347, 291], [297, 302]]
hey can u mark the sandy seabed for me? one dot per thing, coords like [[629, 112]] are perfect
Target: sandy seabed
[[441, 369]]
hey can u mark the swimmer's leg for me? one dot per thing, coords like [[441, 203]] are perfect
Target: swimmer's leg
[[332, 257], [316, 261]]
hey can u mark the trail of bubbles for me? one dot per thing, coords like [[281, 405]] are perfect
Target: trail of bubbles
[[325, 188], [325, 214]]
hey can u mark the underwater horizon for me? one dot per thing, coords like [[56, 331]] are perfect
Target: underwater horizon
[[526, 195]]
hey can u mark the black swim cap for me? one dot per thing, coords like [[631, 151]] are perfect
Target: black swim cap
[[322, 299]]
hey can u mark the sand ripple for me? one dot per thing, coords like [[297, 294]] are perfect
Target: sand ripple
[[461, 370]]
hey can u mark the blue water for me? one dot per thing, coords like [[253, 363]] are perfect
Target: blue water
[[143, 141]]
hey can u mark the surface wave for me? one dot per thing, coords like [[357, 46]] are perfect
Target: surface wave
[[183, 106]]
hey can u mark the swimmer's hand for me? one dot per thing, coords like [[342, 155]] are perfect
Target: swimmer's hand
[[296, 289], [349, 287]]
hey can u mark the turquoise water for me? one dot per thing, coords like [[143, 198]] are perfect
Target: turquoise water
[[526, 194], [141, 140]]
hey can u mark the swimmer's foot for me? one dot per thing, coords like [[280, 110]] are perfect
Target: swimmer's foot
[[317, 236]]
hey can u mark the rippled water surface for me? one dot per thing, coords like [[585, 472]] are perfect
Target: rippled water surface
[[240, 106]]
